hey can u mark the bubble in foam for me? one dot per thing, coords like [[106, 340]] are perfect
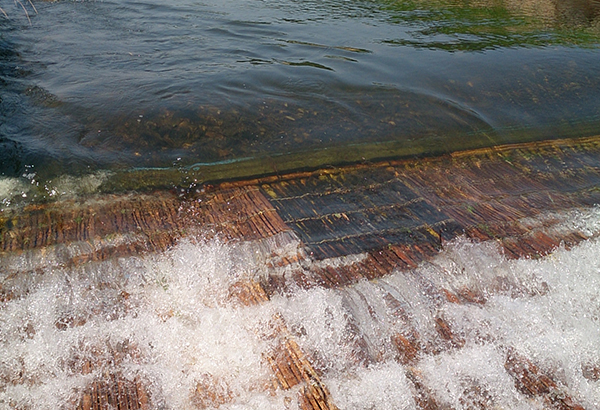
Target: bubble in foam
[[549, 313], [13, 190], [68, 186], [170, 311], [319, 320], [381, 386], [472, 377]]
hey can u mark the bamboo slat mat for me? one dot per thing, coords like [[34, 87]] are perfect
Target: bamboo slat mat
[[393, 215]]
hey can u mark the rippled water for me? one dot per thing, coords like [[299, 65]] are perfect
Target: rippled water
[[287, 84]]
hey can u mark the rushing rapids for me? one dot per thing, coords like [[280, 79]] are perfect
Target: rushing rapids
[[467, 281]]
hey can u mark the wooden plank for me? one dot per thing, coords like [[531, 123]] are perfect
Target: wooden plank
[[532, 382], [115, 392]]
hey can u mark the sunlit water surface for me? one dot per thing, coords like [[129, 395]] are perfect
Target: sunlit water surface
[[123, 84]]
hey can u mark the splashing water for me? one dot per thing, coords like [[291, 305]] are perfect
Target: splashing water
[[170, 321]]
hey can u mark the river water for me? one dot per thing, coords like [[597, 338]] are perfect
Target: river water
[[105, 85], [94, 90]]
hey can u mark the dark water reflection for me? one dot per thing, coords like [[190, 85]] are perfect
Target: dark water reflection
[[149, 84]]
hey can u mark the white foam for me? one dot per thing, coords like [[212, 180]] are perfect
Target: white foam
[[175, 313], [67, 186], [13, 190], [319, 320], [381, 386], [472, 377], [174, 316], [28, 188]]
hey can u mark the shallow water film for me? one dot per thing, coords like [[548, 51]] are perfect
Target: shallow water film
[[312, 205]]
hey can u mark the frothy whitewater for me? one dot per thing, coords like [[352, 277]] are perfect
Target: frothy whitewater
[[172, 317]]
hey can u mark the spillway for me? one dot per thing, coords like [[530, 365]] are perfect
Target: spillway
[[464, 281]]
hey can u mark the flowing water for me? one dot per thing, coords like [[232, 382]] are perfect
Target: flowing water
[[178, 326], [92, 92], [125, 84]]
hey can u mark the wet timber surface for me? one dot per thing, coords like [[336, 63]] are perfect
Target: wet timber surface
[[374, 219]]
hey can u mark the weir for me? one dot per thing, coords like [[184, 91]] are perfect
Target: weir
[[463, 281]]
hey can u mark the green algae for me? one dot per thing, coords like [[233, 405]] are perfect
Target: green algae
[[197, 175]]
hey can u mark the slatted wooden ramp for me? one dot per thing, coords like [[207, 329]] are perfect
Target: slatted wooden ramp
[[354, 231]]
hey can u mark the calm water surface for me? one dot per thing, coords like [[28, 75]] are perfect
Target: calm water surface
[[124, 85]]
